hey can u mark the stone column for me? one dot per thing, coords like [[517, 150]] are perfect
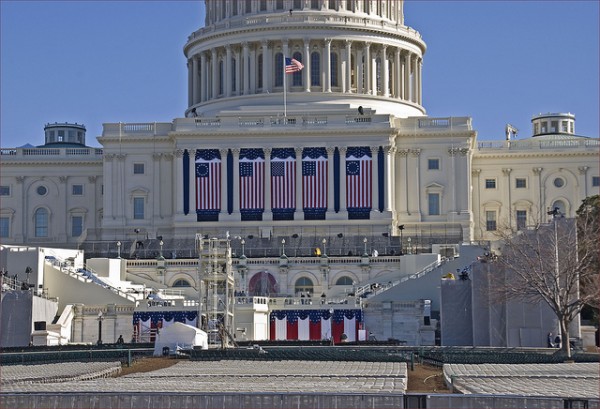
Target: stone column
[[374, 179], [286, 81], [299, 191], [245, 68], [414, 87], [203, 77], [385, 72], [306, 71], [227, 71], [420, 85], [401, 180], [407, 76], [367, 68], [268, 212], [214, 74], [416, 153], [224, 186], [330, 169], [348, 76], [359, 72], [583, 181], [236, 181], [343, 201], [390, 167], [327, 65], [507, 188], [397, 74], [157, 191], [540, 189], [190, 67], [196, 81], [266, 69]]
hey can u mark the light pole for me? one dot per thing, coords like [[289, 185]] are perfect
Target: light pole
[[100, 319], [401, 228], [119, 249]]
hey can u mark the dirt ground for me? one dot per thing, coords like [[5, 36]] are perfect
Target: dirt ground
[[424, 378]]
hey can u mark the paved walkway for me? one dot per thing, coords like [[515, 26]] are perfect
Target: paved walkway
[[569, 380]]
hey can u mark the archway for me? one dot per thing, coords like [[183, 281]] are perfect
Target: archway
[[262, 284]]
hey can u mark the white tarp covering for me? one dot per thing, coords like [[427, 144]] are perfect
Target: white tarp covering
[[179, 336]]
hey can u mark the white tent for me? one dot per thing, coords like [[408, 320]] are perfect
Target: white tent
[[179, 336]]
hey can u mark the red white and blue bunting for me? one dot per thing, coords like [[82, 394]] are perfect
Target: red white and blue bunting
[[315, 325]]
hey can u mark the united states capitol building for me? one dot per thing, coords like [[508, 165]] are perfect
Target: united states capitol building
[[329, 183]]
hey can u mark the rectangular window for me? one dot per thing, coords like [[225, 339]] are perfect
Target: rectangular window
[[490, 220], [433, 201], [565, 127], [433, 164], [521, 219], [61, 136], [71, 136], [248, 8], [595, 181], [4, 226], [520, 183], [490, 183], [554, 126], [138, 168], [263, 5], [138, 208], [279, 5], [4, 190], [77, 190], [76, 226]]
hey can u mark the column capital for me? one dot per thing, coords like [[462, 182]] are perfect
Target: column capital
[[267, 151], [109, 156], [403, 152], [62, 179], [343, 150], [245, 44], [464, 151], [330, 150], [121, 156], [20, 179], [416, 151], [583, 169], [156, 156], [298, 151], [178, 153], [453, 151], [506, 171], [348, 42], [537, 171], [235, 151], [167, 156], [475, 172], [223, 152], [92, 179]]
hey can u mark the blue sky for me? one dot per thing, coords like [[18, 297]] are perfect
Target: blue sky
[[109, 61]]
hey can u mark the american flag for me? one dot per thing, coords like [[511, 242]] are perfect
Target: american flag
[[252, 176], [208, 179], [314, 178], [283, 178], [292, 65], [358, 177]]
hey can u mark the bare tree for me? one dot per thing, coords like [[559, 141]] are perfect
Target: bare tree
[[555, 262]]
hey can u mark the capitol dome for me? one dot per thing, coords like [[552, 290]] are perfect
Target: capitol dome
[[353, 53]]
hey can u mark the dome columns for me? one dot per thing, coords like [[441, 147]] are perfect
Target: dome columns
[[343, 66]]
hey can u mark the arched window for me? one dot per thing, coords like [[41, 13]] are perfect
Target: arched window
[[181, 283], [304, 285], [233, 71], [315, 69], [560, 205], [41, 223], [279, 70], [297, 76], [334, 70], [344, 280], [221, 77], [260, 71]]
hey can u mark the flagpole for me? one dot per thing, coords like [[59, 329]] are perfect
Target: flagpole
[[284, 90]]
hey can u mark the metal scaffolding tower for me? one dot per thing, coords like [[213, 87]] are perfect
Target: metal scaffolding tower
[[216, 289]]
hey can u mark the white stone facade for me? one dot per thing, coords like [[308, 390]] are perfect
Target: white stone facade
[[360, 88]]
